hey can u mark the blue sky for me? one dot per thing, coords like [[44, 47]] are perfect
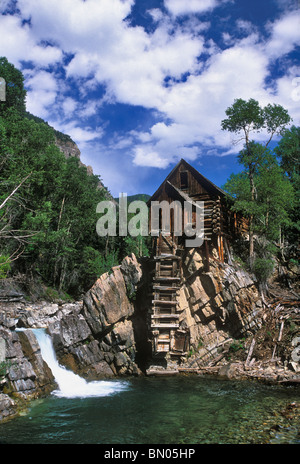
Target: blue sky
[[139, 84]]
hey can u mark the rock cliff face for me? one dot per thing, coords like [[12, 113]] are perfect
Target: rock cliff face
[[70, 148], [105, 335], [99, 341], [217, 306], [24, 374]]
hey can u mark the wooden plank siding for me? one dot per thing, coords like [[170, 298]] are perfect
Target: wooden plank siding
[[219, 220]]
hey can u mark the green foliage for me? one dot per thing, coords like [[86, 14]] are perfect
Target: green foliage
[[138, 197], [138, 245], [190, 353], [50, 219], [58, 135], [263, 268], [288, 152], [248, 116], [4, 368], [5, 266], [237, 345], [262, 191], [243, 116], [273, 196]]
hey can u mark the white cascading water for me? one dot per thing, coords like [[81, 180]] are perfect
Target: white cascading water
[[72, 385]]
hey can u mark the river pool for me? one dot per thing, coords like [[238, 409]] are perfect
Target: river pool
[[173, 410]]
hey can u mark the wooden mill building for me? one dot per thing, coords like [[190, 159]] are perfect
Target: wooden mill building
[[184, 184]]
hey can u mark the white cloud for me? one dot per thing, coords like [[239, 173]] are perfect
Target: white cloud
[[42, 91], [146, 156], [133, 65], [288, 87], [245, 26], [18, 44], [74, 23], [180, 7], [88, 109], [285, 34], [69, 106], [87, 138], [198, 105], [4, 5]]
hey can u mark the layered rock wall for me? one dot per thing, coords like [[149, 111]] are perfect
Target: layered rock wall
[[23, 373], [218, 305], [99, 341]]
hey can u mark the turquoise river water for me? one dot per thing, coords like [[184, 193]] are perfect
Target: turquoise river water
[[179, 410], [184, 410]]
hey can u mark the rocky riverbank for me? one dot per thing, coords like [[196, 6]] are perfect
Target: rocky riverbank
[[234, 333]]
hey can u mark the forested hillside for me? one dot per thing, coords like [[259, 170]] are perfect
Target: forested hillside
[[47, 202]]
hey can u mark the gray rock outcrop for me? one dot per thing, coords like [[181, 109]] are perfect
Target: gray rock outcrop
[[23, 373], [99, 341]]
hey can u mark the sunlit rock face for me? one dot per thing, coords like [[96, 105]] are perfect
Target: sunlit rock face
[[217, 305], [99, 341]]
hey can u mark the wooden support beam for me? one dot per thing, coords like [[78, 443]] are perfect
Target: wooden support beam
[[165, 289], [165, 325], [164, 316], [222, 248], [206, 256], [165, 302], [166, 257]]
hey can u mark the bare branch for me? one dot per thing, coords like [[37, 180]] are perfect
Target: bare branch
[[14, 191]]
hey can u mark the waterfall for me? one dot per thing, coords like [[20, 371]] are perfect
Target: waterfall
[[72, 385]]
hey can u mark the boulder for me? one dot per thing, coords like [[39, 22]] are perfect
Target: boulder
[[8, 407], [230, 371]]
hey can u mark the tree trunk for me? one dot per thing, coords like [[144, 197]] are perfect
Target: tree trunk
[[251, 243], [251, 232]]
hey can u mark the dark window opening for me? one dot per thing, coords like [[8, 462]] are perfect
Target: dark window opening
[[184, 180]]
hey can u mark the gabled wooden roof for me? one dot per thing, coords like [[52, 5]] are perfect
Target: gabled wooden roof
[[207, 184], [180, 194]]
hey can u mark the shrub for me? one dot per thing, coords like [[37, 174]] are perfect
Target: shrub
[[4, 266], [263, 268]]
